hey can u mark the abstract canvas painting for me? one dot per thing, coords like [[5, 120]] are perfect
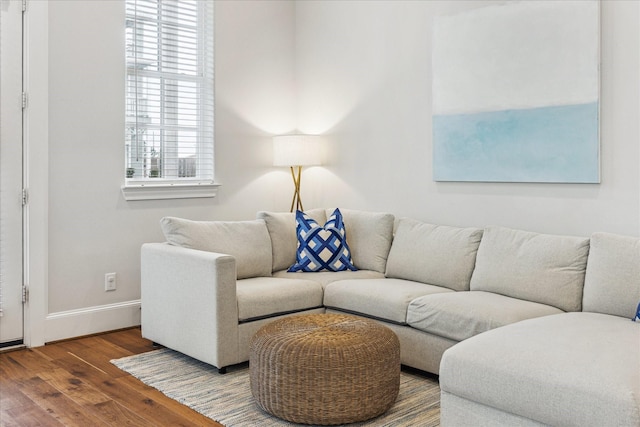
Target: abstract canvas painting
[[516, 93]]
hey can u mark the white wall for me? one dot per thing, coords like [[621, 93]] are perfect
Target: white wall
[[358, 72], [364, 76], [92, 230]]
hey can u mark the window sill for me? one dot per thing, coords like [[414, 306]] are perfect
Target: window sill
[[152, 191]]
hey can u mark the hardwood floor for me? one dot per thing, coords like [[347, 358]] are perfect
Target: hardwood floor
[[73, 383]]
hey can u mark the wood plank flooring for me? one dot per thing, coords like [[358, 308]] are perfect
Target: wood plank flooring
[[72, 383]]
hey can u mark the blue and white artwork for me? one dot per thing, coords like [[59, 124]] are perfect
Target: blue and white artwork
[[516, 93]]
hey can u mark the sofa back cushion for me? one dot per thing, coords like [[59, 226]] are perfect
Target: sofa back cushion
[[433, 254], [543, 268], [282, 230], [247, 241], [369, 235], [612, 283]]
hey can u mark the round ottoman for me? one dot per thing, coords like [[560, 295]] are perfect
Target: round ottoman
[[325, 368]]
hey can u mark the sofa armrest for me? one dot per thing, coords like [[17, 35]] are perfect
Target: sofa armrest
[[189, 303]]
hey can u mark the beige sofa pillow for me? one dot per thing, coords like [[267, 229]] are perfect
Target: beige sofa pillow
[[543, 268], [433, 254], [247, 241], [612, 283], [369, 236], [282, 230]]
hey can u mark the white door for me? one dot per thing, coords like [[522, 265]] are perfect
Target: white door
[[11, 229]]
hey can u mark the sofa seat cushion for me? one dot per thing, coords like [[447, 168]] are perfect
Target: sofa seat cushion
[[436, 254], [573, 369], [544, 268], [263, 297], [326, 277], [461, 315], [379, 298]]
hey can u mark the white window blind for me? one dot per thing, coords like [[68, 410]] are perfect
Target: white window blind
[[170, 89]]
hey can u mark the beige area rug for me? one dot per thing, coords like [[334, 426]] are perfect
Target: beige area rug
[[227, 398]]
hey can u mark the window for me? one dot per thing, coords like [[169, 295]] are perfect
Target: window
[[169, 98]]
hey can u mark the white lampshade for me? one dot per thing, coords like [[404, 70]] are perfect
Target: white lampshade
[[297, 150]]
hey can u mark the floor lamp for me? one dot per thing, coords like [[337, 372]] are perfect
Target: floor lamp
[[296, 151]]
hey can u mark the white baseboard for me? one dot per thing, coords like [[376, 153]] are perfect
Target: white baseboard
[[91, 320]]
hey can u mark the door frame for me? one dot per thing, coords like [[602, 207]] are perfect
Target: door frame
[[12, 324], [36, 169]]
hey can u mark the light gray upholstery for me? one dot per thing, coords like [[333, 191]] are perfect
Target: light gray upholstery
[[462, 412], [282, 230], [381, 298], [461, 315], [188, 302], [543, 268], [247, 241], [570, 369], [369, 235], [447, 294], [326, 277], [612, 283], [418, 349], [267, 296], [435, 254]]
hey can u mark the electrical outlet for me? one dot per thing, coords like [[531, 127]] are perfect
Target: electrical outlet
[[110, 282]]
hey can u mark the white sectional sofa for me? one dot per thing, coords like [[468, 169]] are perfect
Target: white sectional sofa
[[510, 310], [579, 368]]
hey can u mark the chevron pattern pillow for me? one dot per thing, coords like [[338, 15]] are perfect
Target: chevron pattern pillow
[[322, 248]]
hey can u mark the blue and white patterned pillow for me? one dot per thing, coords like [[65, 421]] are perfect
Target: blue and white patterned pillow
[[637, 318], [322, 248]]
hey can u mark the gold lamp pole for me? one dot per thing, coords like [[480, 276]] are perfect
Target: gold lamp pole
[[297, 201], [296, 151]]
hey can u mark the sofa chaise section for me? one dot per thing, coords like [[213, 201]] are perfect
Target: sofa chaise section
[[571, 369]]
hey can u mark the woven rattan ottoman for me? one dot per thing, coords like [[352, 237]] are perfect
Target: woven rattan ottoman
[[325, 369]]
